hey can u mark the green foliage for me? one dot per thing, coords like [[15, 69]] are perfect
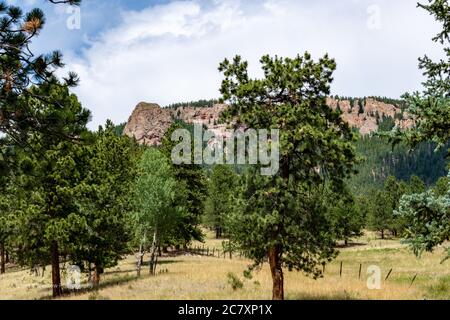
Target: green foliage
[[347, 220], [158, 199], [428, 213], [21, 69], [380, 214], [191, 182], [382, 160], [118, 129], [52, 167], [428, 216], [104, 231], [386, 124], [221, 185], [441, 187], [283, 216], [194, 104], [381, 205], [234, 281], [431, 108]]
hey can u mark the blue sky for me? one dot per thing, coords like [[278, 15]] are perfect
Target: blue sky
[[168, 51]]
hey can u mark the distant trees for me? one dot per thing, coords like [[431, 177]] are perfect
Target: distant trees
[[194, 104], [380, 217], [222, 185], [192, 183], [347, 219], [381, 205], [279, 218], [382, 161]]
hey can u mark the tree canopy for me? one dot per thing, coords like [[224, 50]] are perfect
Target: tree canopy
[[278, 217]]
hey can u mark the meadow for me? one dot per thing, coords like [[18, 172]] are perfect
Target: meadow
[[191, 275]]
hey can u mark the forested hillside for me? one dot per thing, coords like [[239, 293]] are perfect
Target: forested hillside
[[381, 160]]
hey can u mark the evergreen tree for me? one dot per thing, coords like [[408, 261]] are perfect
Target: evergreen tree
[[429, 214], [105, 202], [431, 108], [221, 186], [191, 182], [20, 69], [279, 217], [416, 185], [52, 167], [347, 220], [441, 187], [394, 190], [380, 214], [6, 209]]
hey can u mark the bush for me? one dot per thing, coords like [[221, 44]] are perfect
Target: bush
[[234, 281]]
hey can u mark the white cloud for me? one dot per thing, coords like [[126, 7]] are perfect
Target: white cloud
[[171, 52]]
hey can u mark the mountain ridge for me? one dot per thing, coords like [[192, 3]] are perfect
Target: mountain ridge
[[149, 122]]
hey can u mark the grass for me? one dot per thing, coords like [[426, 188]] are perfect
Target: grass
[[191, 276]]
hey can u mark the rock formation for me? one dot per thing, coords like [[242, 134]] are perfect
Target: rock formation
[[149, 122]]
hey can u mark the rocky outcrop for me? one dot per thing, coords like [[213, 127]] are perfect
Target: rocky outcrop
[[366, 114], [149, 121]]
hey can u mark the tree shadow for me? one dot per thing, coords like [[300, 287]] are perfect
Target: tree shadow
[[103, 284], [350, 245], [344, 295]]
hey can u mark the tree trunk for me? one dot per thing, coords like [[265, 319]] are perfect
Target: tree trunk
[[97, 274], [7, 256], [56, 273], [153, 254], [382, 234], [2, 258], [217, 232], [140, 260], [89, 273], [277, 273], [346, 242]]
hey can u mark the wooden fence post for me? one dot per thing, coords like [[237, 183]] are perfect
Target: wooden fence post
[[389, 273], [413, 281]]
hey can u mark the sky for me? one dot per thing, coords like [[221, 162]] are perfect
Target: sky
[[160, 51]]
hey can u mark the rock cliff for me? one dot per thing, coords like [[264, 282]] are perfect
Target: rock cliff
[[148, 122]]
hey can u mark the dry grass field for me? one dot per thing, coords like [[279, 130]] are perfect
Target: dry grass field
[[193, 276]]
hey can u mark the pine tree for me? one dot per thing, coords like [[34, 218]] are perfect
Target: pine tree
[[20, 69], [105, 201], [380, 214], [347, 220], [221, 186], [428, 213], [279, 217], [191, 182], [52, 167]]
